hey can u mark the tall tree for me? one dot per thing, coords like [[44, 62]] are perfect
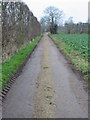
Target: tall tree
[[52, 18], [53, 14], [19, 26]]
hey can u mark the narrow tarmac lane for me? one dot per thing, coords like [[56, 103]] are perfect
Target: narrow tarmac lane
[[46, 88]]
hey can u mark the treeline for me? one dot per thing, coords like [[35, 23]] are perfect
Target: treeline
[[52, 22], [19, 27], [72, 28]]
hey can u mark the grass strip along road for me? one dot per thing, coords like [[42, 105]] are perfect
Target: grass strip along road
[[10, 66], [75, 46]]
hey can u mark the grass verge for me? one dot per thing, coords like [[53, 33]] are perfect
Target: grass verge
[[73, 55], [10, 66]]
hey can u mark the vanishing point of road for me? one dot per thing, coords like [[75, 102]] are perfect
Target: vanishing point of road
[[46, 88]]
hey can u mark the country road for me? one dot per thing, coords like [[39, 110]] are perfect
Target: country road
[[46, 88]]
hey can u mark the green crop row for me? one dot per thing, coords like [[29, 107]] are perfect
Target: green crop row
[[78, 42]]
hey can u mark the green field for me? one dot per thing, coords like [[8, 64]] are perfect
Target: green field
[[78, 42], [75, 46], [9, 67]]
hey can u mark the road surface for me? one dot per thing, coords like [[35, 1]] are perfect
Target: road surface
[[46, 88]]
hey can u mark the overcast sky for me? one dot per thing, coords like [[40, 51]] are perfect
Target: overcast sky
[[78, 9]]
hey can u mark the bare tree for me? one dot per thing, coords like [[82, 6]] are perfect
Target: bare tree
[[44, 24], [19, 26], [53, 14], [52, 18], [69, 25]]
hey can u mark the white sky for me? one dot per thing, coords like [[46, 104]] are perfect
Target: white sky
[[78, 9]]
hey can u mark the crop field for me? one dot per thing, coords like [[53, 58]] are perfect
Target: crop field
[[77, 42], [75, 47]]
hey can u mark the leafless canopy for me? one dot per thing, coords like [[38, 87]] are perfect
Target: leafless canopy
[[53, 14]]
